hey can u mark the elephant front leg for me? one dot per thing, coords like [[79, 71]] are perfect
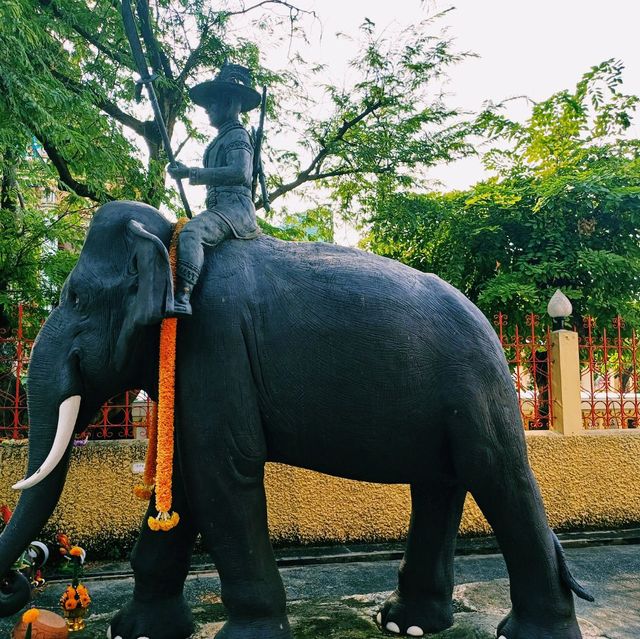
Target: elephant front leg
[[234, 530], [160, 562]]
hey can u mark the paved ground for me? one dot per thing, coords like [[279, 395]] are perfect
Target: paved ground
[[337, 600]]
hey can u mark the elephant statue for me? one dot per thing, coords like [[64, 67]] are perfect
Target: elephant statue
[[309, 354]]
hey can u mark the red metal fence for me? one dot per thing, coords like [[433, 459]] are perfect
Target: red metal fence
[[528, 352], [123, 417], [609, 363], [609, 376]]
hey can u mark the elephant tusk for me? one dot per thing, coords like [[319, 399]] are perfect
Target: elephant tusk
[[67, 416]]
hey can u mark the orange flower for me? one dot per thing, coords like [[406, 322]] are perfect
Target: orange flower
[[70, 604], [30, 615], [63, 540], [76, 551], [81, 589]]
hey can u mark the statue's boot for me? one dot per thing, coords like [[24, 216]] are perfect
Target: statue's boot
[[187, 277]]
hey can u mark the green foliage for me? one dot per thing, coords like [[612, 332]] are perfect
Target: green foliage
[[562, 211], [384, 128], [67, 83]]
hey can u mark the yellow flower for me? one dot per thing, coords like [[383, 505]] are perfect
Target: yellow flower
[[30, 615], [154, 524], [76, 551]]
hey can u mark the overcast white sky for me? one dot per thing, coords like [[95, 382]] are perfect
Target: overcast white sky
[[524, 48]]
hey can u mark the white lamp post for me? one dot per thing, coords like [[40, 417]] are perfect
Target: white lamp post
[[559, 308]]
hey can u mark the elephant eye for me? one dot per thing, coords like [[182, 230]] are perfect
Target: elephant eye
[[74, 300]]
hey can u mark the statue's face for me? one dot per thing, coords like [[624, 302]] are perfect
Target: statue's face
[[223, 110]]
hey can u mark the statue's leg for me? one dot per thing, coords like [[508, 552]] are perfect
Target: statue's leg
[[206, 228], [160, 561], [422, 602]]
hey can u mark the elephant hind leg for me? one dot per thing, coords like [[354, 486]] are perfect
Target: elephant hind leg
[[423, 600], [499, 477]]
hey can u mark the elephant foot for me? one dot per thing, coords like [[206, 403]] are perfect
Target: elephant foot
[[166, 618], [414, 616], [511, 627], [268, 628]]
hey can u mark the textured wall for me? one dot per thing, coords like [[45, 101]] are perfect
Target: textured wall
[[589, 480]]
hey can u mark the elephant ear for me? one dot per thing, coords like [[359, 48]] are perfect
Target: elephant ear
[[154, 293]]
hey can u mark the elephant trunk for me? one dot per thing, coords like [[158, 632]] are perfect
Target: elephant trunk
[[49, 452]]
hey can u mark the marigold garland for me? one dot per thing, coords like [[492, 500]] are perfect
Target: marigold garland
[[30, 615], [160, 451], [145, 489]]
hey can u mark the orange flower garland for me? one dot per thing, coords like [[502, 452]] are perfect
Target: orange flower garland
[[143, 491], [160, 451]]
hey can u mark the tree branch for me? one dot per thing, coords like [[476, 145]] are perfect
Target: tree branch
[[110, 108], [313, 171], [293, 9], [159, 59], [67, 181], [89, 37]]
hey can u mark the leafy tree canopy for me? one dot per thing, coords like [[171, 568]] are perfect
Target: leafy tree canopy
[[561, 211], [71, 124]]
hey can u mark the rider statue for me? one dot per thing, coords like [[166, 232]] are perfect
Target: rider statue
[[227, 173]]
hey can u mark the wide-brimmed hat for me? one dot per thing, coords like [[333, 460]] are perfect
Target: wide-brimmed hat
[[233, 79]]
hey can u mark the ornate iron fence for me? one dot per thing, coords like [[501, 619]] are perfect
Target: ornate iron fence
[[609, 364], [528, 352], [123, 417]]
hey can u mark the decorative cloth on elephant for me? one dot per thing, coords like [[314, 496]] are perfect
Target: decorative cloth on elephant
[[158, 468]]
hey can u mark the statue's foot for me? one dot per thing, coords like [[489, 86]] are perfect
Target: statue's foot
[[511, 627], [414, 616], [180, 309], [168, 618], [268, 628]]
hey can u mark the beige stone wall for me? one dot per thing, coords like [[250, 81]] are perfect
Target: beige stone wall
[[588, 480]]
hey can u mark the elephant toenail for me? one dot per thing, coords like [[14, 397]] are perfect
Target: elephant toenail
[[415, 631], [379, 618], [393, 627]]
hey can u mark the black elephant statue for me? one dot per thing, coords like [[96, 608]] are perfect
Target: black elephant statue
[[309, 354]]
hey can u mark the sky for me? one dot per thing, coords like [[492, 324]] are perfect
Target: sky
[[524, 48]]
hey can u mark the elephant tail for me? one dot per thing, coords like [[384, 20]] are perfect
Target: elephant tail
[[565, 574]]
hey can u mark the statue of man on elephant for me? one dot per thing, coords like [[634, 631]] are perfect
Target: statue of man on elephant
[[309, 354]]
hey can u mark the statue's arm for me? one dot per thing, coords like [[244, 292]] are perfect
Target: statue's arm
[[237, 171]]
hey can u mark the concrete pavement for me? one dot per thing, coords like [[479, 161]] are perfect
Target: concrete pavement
[[338, 600]]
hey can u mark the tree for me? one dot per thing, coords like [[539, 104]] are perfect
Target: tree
[[562, 210], [67, 87]]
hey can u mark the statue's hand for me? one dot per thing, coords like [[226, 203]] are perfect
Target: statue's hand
[[178, 171]]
